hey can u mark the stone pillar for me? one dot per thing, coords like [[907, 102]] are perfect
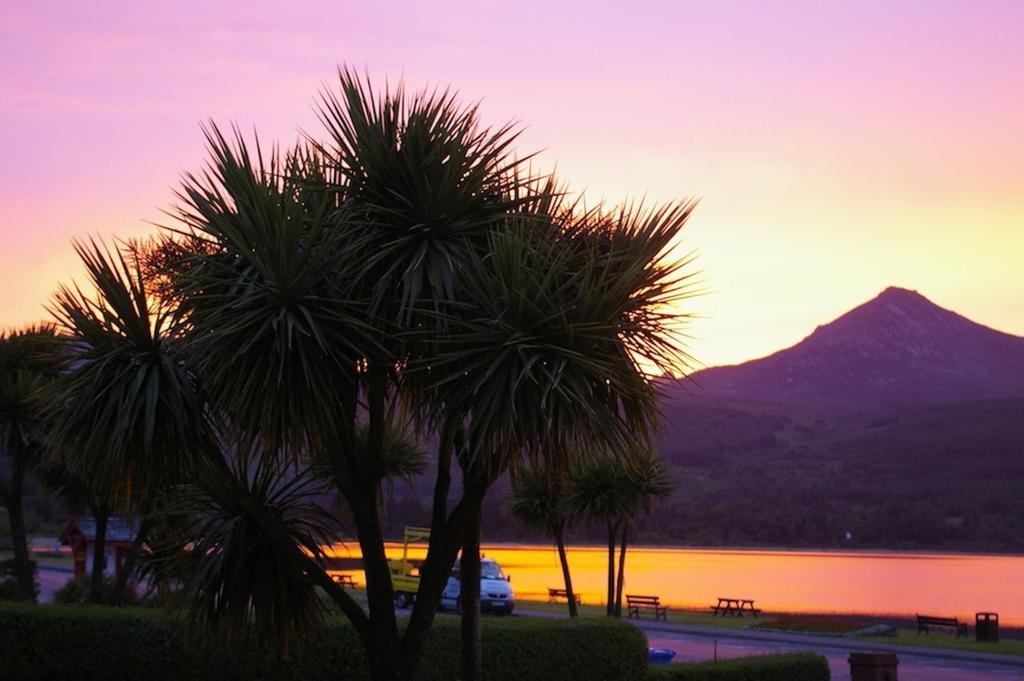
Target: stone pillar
[[873, 666]]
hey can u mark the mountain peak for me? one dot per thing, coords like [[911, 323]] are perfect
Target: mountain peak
[[893, 310], [899, 293], [898, 348], [904, 298]]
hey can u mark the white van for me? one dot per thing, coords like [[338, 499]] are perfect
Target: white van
[[496, 593]]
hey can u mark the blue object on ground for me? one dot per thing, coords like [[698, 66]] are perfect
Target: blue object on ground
[[660, 655]]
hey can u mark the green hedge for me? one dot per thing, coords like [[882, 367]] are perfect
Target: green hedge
[[786, 667], [105, 644]]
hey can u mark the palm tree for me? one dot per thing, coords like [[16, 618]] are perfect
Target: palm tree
[[614, 490], [126, 416], [600, 493], [235, 571], [543, 359], [78, 493], [648, 481], [323, 271], [428, 185], [538, 502], [26, 366]]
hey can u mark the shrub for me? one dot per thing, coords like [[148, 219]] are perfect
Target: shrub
[[786, 667], [87, 643], [10, 589], [76, 592], [522, 649]]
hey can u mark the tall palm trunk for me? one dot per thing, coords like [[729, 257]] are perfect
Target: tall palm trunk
[[446, 537], [622, 570], [130, 561], [559, 532], [23, 567], [379, 595], [365, 503], [610, 602], [99, 555], [469, 601]]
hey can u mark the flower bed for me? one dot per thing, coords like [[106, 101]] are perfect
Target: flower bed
[[822, 626]]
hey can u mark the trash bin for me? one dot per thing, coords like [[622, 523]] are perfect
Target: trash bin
[[986, 626], [874, 666]]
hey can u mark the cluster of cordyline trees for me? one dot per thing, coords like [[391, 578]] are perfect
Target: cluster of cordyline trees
[[603, 488], [309, 307]]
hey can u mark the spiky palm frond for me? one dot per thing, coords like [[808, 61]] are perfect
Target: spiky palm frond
[[32, 348], [21, 419], [75, 493], [647, 279], [231, 575], [400, 456], [161, 258], [617, 488], [423, 182], [538, 498], [601, 490], [504, 367], [27, 363], [650, 478], [126, 411], [562, 312], [272, 330]]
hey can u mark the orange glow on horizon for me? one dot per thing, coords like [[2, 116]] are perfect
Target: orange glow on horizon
[[780, 581], [837, 148]]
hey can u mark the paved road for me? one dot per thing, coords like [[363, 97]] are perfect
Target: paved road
[[698, 644], [52, 578], [913, 667]]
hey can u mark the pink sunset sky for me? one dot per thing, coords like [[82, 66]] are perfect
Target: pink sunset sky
[[837, 148]]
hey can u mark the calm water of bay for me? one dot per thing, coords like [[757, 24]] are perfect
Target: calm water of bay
[[888, 583]]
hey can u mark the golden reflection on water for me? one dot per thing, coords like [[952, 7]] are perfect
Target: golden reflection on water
[[781, 581]]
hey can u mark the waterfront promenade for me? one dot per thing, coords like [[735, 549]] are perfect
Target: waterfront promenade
[[694, 643]]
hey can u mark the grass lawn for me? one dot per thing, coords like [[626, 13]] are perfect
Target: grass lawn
[[905, 637], [910, 637], [64, 559], [677, 616]]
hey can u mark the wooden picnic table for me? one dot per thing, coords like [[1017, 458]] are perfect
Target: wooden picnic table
[[735, 607], [345, 580]]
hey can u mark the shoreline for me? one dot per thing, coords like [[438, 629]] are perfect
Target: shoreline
[[691, 548], [874, 552], [931, 553]]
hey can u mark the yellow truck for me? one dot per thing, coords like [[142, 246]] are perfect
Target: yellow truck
[[405, 576]]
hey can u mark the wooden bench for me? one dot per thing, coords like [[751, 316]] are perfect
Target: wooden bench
[[345, 580], [555, 594], [635, 603], [926, 622], [734, 607]]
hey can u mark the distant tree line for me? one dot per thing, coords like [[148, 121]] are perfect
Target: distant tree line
[[784, 507]]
